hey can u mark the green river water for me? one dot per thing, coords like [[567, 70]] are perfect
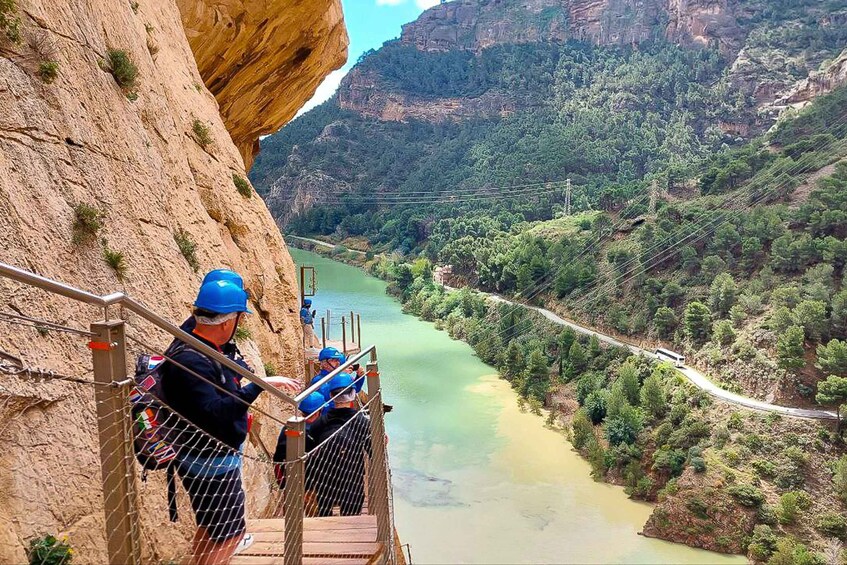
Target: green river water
[[475, 480]]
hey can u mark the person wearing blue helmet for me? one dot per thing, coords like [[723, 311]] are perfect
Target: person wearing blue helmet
[[307, 319], [338, 469], [330, 359], [230, 348], [310, 408], [213, 423]]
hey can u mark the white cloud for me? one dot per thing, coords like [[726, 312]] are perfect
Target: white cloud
[[325, 90], [389, 2], [423, 4]]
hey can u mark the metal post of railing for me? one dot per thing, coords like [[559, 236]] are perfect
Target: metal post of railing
[[108, 352], [328, 323], [352, 328], [359, 329], [323, 332], [295, 486], [378, 487], [343, 336]]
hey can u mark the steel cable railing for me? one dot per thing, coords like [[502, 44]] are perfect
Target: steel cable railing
[[226, 488]]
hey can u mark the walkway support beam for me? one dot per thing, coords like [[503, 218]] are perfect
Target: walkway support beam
[[117, 461]]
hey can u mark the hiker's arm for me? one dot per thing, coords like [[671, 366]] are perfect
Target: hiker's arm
[[223, 406]]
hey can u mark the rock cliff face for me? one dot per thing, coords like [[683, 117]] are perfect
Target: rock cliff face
[[364, 92], [475, 25], [80, 139], [262, 60]]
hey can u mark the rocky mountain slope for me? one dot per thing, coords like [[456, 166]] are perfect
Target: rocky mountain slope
[[111, 181], [480, 71]]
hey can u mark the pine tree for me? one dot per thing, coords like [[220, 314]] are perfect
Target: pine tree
[[833, 391], [665, 321], [722, 294], [653, 397], [577, 361], [536, 379], [832, 357], [789, 348], [628, 377], [698, 321], [513, 363]]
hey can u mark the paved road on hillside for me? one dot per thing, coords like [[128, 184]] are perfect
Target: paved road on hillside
[[321, 243], [696, 377]]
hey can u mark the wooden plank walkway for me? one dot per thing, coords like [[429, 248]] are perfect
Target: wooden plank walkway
[[334, 540]]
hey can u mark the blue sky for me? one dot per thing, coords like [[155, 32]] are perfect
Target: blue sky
[[370, 23]]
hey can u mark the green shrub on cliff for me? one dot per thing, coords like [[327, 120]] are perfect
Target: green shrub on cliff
[[120, 64], [747, 495]]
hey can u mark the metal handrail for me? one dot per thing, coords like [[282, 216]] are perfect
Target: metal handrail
[[62, 289], [371, 349]]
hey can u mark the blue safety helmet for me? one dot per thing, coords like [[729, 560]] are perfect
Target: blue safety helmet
[[222, 297], [331, 353], [339, 381], [223, 275], [312, 403], [307, 302]]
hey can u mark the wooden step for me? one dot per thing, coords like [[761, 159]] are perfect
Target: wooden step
[[333, 540]]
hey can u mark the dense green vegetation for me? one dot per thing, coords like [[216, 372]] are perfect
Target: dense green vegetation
[[604, 116], [643, 425]]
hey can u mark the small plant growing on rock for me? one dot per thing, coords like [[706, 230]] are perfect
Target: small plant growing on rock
[[122, 67], [188, 247], [116, 260], [242, 186], [87, 222], [47, 550], [270, 369], [48, 71], [201, 133], [242, 333], [10, 24], [134, 6]]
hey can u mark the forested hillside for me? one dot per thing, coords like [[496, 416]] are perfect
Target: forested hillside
[[543, 99], [707, 152]]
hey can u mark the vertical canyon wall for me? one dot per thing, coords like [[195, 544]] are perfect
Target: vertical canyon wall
[[135, 155]]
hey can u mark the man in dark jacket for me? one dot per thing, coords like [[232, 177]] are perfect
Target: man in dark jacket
[[337, 465], [213, 425]]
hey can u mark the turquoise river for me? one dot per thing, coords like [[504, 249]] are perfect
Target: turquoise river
[[475, 479]]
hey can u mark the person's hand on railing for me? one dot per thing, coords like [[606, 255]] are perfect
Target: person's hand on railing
[[287, 384]]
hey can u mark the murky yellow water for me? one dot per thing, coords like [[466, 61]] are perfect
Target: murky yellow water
[[475, 480]]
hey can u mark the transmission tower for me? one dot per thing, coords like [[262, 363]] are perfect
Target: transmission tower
[[568, 193]]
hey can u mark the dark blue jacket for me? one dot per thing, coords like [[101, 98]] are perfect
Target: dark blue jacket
[[215, 412]]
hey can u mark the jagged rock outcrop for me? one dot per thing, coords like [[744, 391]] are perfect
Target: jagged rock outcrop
[[263, 60], [81, 139], [475, 25], [365, 93], [817, 84]]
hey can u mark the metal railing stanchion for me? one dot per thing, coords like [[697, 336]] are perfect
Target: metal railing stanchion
[[378, 472], [295, 489], [108, 351]]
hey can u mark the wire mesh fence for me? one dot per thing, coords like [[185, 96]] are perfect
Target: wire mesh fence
[[117, 462]]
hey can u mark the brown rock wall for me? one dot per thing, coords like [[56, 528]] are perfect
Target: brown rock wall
[[263, 59], [81, 140]]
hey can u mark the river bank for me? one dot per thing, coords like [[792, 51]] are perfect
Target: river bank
[[476, 479], [735, 451]]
